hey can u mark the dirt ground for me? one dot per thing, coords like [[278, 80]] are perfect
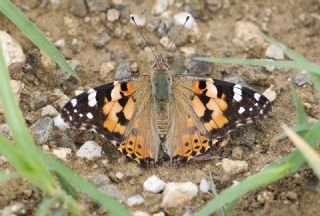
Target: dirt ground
[[295, 23]]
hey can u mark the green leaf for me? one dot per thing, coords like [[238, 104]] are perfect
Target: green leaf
[[34, 34], [25, 156], [301, 128], [301, 114], [44, 207], [67, 187], [309, 154]]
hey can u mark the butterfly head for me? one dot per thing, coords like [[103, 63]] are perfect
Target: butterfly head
[[161, 64]]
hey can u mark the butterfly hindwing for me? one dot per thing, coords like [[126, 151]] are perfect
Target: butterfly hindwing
[[216, 107]]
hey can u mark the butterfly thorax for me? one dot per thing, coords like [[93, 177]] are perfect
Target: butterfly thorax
[[161, 82]]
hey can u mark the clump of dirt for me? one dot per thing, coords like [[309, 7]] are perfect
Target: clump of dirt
[[98, 38]]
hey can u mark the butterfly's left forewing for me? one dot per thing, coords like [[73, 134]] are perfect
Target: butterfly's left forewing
[[215, 108], [116, 111]]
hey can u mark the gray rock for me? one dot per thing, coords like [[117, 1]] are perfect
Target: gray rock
[[60, 43], [301, 79], [78, 8], [89, 150], [204, 186], [159, 7], [180, 18], [140, 21], [98, 5], [65, 141], [237, 153], [274, 52], [42, 130], [39, 99], [123, 71], [135, 200], [49, 111], [214, 5], [99, 180], [102, 40]]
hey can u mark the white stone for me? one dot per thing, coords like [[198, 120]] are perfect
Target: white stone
[[180, 18], [61, 153], [140, 21], [113, 15], [187, 51], [60, 123], [49, 111], [13, 53], [204, 186], [17, 87], [274, 52], [60, 43], [176, 194], [154, 184], [135, 200], [89, 150], [270, 94], [234, 167], [165, 42], [159, 214], [140, 213], [159, 7], [119, 175]]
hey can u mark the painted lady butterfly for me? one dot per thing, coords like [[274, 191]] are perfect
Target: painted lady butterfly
[[182, 114]]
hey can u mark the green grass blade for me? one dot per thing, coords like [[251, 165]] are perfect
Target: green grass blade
[[313, 68], [34, 34], [301, 128], [309, 154], [4, 176], [44, 207], [301, 114], [21, 136], [214, 191], [109, 204], [67, 187], [315, 80]]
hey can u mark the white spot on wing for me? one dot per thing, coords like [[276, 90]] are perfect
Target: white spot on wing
[[238, 86], [257, 96], [92, 98], [70, 118], [75, 111], [250, 108], [89, 115], [241, 110], [73, 102], [237, 97], [81, 115], [237, 91]]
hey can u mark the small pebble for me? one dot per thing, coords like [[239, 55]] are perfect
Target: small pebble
[[270, 94], [123, 71], [135, 200], [49, 111], [5, 131], [140, 213], [237, 153], [180, 19], [102, 40], [13, 210], [265, 196], [78, 8], [60, 43], [140, 21], [187, 51], [234, 167], [13, 53], [159, 7], [113, 191], [113, 15], [119, 175], [39, 99], [214, 5], [204, 186], [98, 5], [154, 184], [106, 68], [165, 42], [177, 194], [42, 129], [89, 150], [58, 122], [61, 153], [274, 52], [301, 79]]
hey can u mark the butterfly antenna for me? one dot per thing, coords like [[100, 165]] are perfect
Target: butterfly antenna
[[187, 18], [139, 30]]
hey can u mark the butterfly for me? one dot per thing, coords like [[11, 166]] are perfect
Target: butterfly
[[182, 115]]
